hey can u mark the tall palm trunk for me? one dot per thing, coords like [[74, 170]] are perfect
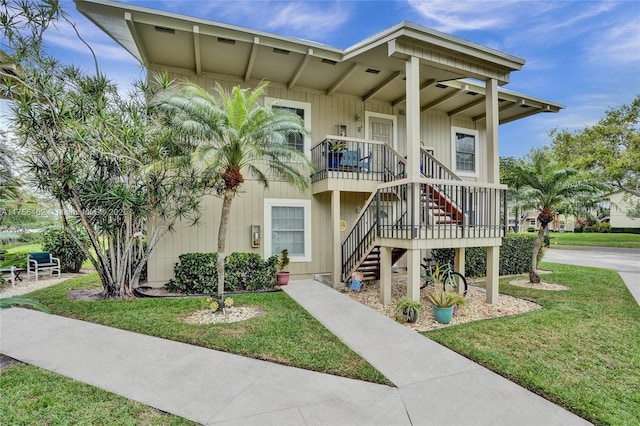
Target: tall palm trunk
[[222, 236]]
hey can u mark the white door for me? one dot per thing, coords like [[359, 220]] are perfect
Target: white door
[[381, 129]]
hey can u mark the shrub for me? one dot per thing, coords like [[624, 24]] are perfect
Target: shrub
[[605, 227], [60, 244], [515, 256], [196, 273], [19, 260], [620, 230], [531, 229], [587, 229], [249, 272]]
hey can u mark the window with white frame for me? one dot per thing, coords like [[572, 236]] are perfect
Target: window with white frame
[[532, 222], [464, 146], [302, 110], [288, 226]]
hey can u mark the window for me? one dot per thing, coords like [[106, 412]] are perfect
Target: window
[[295, 141], [465, 151], [288, 226], [532, 222], [302, 110]]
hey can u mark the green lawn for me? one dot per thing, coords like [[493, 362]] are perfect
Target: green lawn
[[594, 239], [32, 396], [285, 333], [582, 350]]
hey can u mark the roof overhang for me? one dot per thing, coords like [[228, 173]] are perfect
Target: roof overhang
[[372, 70]]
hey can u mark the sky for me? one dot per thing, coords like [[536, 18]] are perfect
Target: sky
[[582, 54]]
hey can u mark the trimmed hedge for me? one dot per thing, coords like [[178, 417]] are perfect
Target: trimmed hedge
[[196, 273], [515, 256], [617, 230]]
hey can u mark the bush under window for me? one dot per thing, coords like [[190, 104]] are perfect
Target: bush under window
[[196, 273]]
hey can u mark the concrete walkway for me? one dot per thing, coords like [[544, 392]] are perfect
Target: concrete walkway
[[626, 261], [435, 386]]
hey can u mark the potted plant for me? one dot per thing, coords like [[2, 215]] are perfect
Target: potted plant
[[443, 304], [283, 275], [336, 148], [407, 310]]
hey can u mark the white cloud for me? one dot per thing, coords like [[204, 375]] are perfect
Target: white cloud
[[620, 43], [464, 15], [304, 18]]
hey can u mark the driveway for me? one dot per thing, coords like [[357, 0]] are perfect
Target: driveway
[[624, 260]]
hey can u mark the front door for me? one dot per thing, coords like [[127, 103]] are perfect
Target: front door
[[381, 129]]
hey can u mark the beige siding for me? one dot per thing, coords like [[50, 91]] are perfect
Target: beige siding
[[248, 207], [620, 205]]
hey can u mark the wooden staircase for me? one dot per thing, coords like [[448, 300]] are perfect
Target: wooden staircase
[[370, 266], [440, 207]]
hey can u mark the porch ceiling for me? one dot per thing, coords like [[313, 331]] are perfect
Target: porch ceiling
[[371, 70]]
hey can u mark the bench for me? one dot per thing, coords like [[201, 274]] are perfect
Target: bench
[[41, 261]]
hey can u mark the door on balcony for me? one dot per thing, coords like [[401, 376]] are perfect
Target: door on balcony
[[381, 127]]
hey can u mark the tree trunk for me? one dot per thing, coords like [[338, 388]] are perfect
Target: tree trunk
[[222, 236], [534, 278]]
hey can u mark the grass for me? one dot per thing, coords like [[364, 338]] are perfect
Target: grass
[[31, 396], [285, 333], [594, 239], [31, 247], [581, 351]]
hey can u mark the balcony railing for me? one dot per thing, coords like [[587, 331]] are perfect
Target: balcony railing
[[426, 209], [350, 158]]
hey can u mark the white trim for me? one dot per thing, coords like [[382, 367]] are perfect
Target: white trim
[[476, 136], [306, 106], [393, 118], [278, 202]]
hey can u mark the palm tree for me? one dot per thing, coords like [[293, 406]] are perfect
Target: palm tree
[[236, 134], [549, 187]]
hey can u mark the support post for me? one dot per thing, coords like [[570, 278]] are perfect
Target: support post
[[459, 263], [493, 273], [413, 274], [335, 230], [385, 275], [412, 87], [492, 122]]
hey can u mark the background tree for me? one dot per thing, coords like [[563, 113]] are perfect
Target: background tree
[[610, 148], [515, 197], [550, 188], [236, 134], [101, 156]]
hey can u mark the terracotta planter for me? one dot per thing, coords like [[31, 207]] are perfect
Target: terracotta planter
[[283, 277]]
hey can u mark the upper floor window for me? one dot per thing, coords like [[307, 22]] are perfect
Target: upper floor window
[[302, 110], [464, 145]]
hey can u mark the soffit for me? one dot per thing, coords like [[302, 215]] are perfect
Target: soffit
[[372, 70]]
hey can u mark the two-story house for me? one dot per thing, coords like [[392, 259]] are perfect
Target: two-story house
[[404, 141]]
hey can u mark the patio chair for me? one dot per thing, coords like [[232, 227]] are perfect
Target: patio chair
[[352, 159], [40, 261]]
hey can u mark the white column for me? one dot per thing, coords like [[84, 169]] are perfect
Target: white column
[[385, 275], [413, 274], [459, 262], [412, 87], [493, 271], [335, 230], [493, 120]]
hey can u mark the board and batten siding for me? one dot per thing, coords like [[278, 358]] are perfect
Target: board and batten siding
[[327, 113]]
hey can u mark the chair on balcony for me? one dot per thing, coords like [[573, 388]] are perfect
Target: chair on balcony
[[352, 160]]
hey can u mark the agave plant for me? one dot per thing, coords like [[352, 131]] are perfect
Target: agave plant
[[445, 299], [8, 302]]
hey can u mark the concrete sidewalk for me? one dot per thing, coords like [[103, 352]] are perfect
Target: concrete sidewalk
[[434, 385]]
